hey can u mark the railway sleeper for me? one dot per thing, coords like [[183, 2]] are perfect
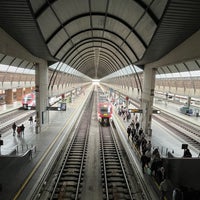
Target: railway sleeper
[[68, 183], [64, 196], [110, 154], [73, 163], [77, 151], [109, 148], [119, 196], [79, 139], [74, 158], [115, 179], [75, 173], [118, 185], [113, 167], [69, 178], [114, 173], [111, 163]]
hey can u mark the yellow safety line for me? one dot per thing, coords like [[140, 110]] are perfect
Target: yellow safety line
[[39, 163]]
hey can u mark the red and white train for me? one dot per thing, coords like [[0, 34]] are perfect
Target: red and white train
[[28, 101], [105, 112]]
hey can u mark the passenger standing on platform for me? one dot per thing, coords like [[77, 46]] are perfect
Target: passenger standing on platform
[[144, 145], [187, 153], [133, 133], [156, 161], [148, 145], [136, 118], [137, 125], [22, 129], [128, 116], [18, 130], [148, 155], [31, 120], [14, 126], [129, 131], [140, 131], [160, 175], [143, 161], [132, 124]]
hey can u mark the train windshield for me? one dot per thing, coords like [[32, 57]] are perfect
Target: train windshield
[[105, 109], [28, 97]]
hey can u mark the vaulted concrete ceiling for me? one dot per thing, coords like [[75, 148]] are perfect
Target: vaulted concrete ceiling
[[99, 37]]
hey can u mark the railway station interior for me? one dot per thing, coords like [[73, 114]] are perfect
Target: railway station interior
[[109, 94]]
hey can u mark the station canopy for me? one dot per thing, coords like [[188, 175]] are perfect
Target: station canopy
[[100, 37]]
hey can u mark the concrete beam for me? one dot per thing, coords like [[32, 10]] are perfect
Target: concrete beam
[[10, 47], [188, 50]]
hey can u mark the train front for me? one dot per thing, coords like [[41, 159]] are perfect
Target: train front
[[105, 113], [28, 101]]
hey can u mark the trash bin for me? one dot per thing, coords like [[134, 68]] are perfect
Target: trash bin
[[197, 114]]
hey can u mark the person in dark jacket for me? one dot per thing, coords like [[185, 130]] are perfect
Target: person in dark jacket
[[187, 153], [22, 129], [31, 120], [129, 131], [143, 161], [14, 126]]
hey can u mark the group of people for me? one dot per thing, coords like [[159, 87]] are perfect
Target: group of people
[[123, 111], [150, 160], [18, 129]]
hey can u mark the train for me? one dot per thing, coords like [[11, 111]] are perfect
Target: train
[[105, 112], [28, 101]]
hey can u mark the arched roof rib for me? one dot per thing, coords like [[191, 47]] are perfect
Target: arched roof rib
[[119, 21], [106, 42], [45, 6], [105, 50], [85, 59], [93, 38]]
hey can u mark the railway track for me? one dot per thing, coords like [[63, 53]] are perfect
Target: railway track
[[115, 181], [68, 182]]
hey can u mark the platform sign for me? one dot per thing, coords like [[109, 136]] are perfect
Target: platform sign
[[134, 110]]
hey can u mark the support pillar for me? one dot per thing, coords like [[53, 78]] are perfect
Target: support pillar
[[188, 101], [147, 98], [41, 89], [19, 94], [9, 96]]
